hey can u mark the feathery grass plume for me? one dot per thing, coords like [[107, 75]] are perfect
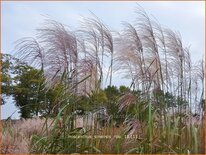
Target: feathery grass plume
[[130, 54], [126, 100], [109, 44], [60, 46], [86, 66], [30, 50], [201, 75], [145, 27], [93, 39], [176, 56], [100, 37], [133, 126]]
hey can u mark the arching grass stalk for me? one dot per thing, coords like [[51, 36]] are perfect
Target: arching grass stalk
[[150, 125], [195, 139]]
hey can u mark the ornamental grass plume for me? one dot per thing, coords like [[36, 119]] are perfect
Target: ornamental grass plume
[[126, 100], [132, 126]]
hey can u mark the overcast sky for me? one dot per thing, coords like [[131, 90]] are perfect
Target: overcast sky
[[20, 19]]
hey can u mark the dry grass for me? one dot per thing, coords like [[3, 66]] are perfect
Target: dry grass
[[17, 138], [16, 135], [14, 143]]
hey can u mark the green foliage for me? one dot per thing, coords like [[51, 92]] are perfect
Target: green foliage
[[180, 101], [112, 94], [28, 90], [166, 100], [7, 69], [169, 99], [123, 89], [27, 86], [203, 104], [98, 98]]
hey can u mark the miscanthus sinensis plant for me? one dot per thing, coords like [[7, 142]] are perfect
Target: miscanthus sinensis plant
[[165, 82]]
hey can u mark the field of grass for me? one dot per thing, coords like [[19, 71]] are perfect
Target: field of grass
[[59, 75], [34, 136]]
